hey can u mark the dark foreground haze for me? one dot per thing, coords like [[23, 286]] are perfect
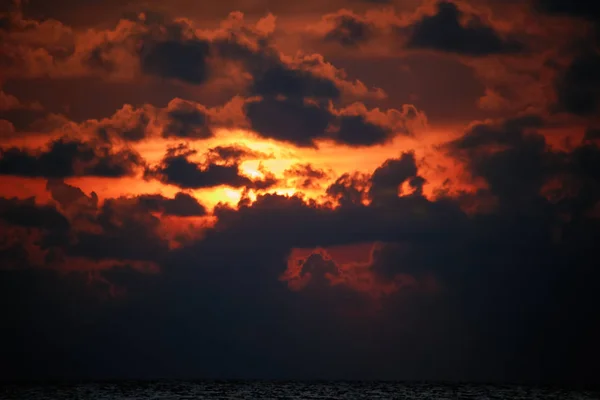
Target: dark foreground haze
[[132, 390]]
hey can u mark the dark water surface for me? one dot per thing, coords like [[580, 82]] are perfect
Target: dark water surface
[[168, 390]]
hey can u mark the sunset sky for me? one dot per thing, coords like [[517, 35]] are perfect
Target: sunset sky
[[343, 189]]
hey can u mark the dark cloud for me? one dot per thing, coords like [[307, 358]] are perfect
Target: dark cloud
[[67, 158], [170, 49], [386, 179], [127, 231], [186, 121], [180, 119], [165, 49], [130, 125], [5, 23], [303, 122], [592, 134], [306, 170], [233, 153], [578, 87], [77, 231], [575, 8], [355, 130], [177, 169], [182, 205], [445, 31], [97, 59], [238, 57], [23, 118], [516, 300], [26, 213], [293, 83], [290, 120], [349, 30], [506, 132], [274, 76], [514, 161], [173, 59], [349, 189], [306, 176]]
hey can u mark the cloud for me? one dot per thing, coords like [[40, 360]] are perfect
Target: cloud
[[117, 229], [238, 55], [234, 153], [445, 31], [386, 180], [473, 262], [304, 122], [356, 130], [185, 60], [514, 160], [578, 85], [349, 29], [66, 158], [305, 176], [177, 169], [156, 45], [25, 213], [187, 120], [592, 134], [182, 205], [350, 256], [179, 119], [19, 114], [450, 28], [289, 120], [351, 266], [576, 8], [8, 102], [128, 123], [7, 129], [279, 80]]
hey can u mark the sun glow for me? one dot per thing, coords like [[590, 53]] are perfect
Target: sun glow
[[268, 160]]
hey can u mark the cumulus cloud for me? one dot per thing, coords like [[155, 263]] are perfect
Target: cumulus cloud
[[450, 28], [445, 31], [67, 158], [303, 122], [176, 168], [19, 114], [152, 44], [349, 29]]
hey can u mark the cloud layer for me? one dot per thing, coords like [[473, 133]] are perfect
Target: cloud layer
[[278, 196]]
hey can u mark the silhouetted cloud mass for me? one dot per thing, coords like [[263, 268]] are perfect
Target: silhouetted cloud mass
[[446, 31]]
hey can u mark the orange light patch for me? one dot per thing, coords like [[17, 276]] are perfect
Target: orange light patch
[[23, 188], [271, 159]]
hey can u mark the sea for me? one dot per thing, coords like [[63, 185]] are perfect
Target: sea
[[188, 390]]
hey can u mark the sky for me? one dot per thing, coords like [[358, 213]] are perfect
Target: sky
[[348, 189]]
